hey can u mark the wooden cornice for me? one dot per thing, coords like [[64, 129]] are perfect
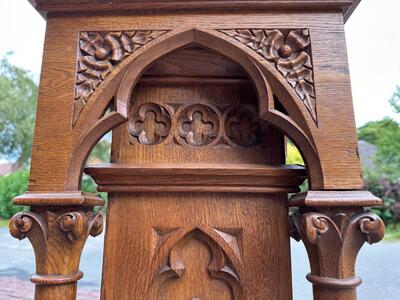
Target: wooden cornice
[[97, 6], [197, 178]]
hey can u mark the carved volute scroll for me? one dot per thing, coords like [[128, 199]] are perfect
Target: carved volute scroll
[[333, 239], [99, 53], [290, 52], [54, 234]]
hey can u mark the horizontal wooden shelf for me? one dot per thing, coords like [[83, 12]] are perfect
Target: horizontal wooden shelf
[[335, 199], [245, 178]]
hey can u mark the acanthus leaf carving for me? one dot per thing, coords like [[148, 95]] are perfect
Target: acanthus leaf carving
[[333, 241], [99, 53], [290, 53], [47, 231]]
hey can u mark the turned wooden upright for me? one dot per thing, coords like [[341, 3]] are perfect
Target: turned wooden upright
[[199, 96]]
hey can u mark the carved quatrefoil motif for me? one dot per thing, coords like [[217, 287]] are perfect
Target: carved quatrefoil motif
[[150, 124], [198, 125], [242, 126]]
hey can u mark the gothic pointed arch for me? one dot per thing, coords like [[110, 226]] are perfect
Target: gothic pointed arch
[[118, 87]]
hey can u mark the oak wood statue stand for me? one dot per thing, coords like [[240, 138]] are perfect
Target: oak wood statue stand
[[200, 97]]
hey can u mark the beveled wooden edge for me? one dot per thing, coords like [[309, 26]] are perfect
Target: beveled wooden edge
[[55, 279], [85, 6], [237, 178], [335, 198], [190, 168], [329, 282], [196, 189], [58, 199]]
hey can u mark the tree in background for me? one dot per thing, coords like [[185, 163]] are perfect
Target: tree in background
[[18, 95], [384, 180]]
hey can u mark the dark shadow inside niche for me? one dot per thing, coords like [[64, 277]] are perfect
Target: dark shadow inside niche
[[279, 107]]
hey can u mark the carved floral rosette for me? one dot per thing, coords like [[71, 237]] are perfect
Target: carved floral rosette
[[290, 53], [99, 53]]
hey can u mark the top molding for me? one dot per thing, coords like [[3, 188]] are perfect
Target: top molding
[[102, 6]]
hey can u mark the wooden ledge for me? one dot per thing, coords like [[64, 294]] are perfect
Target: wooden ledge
[[58, 199], [120, 6], [335, 198], [243, 178]]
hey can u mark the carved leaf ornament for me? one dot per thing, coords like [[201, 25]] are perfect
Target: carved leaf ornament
[[99, 53], [289, 52]]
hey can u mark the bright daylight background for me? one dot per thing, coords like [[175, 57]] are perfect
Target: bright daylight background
[[373, 42]]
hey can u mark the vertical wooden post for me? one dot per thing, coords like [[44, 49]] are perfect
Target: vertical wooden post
[[58, 234], [333, 236]]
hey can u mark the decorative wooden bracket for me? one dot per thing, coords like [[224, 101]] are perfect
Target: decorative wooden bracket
[[333, 237], [56, 235]]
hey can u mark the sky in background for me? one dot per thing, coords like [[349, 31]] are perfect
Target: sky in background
[[372, 34]]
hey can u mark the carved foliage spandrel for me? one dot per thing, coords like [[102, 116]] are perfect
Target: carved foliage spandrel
[[290, 53], [99, 53], [183, 249]]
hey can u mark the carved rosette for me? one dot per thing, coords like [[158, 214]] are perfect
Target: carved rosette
[[55, 236], [99, 53], [242, 126], [333, 242], [150, 124], [290, 53]]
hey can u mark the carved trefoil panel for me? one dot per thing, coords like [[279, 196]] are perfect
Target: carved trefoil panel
[[214, 268], [290, 53], [99, 53], [195, 125]]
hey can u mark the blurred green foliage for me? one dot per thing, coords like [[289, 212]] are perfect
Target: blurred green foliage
[[18, 95], [10, 186], [383, 180], [293, 155]]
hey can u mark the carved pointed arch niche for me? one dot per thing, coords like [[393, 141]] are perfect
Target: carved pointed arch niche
[[263, 76], [195, 156]]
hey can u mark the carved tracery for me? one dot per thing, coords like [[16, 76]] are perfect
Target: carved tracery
[[219, 265]]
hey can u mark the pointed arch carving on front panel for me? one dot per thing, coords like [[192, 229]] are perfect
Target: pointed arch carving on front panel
[[217, 266]]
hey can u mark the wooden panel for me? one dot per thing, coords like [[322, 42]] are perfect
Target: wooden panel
[[187, 226], [145, 237]]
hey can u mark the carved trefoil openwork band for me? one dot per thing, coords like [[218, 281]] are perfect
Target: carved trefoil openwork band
[[99, 53], [290, 53], [196, 125]]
